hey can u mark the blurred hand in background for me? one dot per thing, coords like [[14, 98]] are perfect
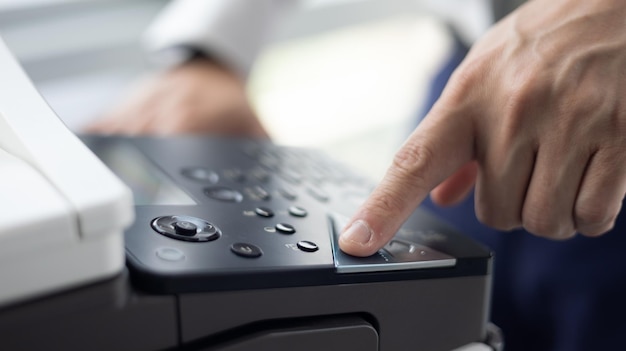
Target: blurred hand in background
[[197, 97]]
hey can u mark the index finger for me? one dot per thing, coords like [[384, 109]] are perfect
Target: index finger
[[440, 145]]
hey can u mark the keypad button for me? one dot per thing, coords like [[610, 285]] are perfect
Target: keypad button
[[201, 174], [287, 192], [185, 228], [235, 174], [318, 193], [246, 250], [261, 193], [260, 175], [170, 254], [285, 228], [307, 246], [223, 194], [297, 211], [291, 176], [264, 212]]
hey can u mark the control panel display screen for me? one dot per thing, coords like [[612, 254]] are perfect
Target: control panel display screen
[[149, 184]]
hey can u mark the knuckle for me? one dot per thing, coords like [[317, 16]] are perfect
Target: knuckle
[[386, 203], [590, 100], [590, 215], [412, 164], [522, 95], [595, 231], [539, 221], [468, 74], [465, 79]]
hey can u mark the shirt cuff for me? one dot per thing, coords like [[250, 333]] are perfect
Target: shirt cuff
[[231, 32]]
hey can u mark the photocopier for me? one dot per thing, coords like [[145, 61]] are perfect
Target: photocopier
[[207, 243]]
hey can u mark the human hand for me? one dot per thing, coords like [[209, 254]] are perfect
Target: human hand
[[534, 118], [197, 97]]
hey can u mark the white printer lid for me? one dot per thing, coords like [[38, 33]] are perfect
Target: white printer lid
[[62, 210]]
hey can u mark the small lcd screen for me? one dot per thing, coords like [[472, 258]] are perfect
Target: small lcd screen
[[149, 184]]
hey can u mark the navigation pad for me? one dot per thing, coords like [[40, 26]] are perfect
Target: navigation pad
[[398, 254]]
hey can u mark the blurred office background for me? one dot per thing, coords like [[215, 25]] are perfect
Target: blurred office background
[[347, 76]]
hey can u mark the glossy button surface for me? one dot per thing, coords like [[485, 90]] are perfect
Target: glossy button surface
[[222, 193], [264, 212], [285, 228], [287, 192], [307, 246], [201, 174], [185, 228], [297, 211], [318, 193], [261, 193], [246, 250]]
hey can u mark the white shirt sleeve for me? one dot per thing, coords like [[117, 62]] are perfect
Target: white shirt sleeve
[[232, 31], [470, 18]]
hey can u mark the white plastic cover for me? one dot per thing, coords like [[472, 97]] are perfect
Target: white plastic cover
[[30, 130]]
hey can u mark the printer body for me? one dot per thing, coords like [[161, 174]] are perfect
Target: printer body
[[229, 245]]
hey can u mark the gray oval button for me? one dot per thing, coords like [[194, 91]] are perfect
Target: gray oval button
[[170, 254]]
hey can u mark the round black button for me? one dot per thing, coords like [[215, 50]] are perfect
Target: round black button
[[285, 228], [185, 228], [201, 174], [307, 246], [297, 211], [223, 194], [264, 212], [246, 250]]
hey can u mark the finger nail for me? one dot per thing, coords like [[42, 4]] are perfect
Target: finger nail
[[359, 232]]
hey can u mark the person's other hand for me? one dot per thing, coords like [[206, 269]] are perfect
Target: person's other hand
[[197, 97], [535, 118]]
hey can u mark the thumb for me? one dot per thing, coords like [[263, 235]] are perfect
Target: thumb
[[440, 145]]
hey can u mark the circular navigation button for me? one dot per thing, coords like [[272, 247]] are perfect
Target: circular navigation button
[[201, 174], [170, 254], [185, 228], [285, 228], [246, 250], [307, 246], [297, 211], [264, 212], [223, 194]]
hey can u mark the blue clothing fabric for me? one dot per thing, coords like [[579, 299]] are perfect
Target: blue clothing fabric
[[548, 295]]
